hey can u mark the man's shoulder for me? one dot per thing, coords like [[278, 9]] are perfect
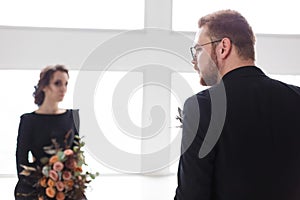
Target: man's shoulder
[[203, 94], [284, 86], [198, 99]]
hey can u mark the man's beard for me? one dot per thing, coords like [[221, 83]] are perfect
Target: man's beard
[[212, 77]]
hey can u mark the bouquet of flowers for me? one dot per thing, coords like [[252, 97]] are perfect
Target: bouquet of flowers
[[61, 176]]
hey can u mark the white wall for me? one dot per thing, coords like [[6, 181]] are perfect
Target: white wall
[[33, 48]]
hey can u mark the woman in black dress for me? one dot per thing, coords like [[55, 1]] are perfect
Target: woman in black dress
[[48, 122]]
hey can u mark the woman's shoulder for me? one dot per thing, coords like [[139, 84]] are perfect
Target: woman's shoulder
[[27, 118], [75, 114], [34, 114], [74, 110], [27, 115]]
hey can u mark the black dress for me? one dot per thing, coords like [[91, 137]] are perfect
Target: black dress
[[35, 132]]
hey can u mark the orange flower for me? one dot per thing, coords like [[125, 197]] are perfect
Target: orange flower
[[78, 169], [43, 181], [68, 152], [60, 196], [69, 184], [50, 192], [50, 182], [53, 159], [40, 198]]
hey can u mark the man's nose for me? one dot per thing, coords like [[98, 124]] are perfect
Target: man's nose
[[195, 65]]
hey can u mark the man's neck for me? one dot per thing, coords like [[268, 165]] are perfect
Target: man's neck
[[236, 65]]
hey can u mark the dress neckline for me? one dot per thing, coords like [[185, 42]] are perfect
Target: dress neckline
[[45, 114]]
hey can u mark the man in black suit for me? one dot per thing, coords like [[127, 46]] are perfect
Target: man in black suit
[[240, 137]]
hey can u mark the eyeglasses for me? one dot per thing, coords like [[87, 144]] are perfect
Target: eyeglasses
[[197, 48]]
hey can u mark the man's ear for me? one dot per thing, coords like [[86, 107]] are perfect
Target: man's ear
[[225, 48]]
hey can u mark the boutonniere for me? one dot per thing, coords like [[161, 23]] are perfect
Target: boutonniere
[[179, 117]]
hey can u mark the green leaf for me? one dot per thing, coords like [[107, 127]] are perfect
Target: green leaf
[[61, 155], [44, 160]]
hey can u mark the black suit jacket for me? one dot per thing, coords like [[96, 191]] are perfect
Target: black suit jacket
[[255, 140]]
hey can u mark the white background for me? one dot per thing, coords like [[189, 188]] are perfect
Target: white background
[[16, 86]]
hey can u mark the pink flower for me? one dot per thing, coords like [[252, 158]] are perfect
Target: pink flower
[[53, 175], [58, 166], [68, 152], [71, 163], [67, 175], [60, 186]]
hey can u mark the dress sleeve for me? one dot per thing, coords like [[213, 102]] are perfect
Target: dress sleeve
[[23, 143], [195, 174], [76, 121]]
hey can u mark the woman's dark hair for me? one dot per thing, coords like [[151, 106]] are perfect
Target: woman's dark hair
[[45, 77]]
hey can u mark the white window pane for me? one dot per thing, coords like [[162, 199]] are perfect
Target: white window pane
[[276, 17], [95, 14], [290, 79], [15, 99], [108, 121]]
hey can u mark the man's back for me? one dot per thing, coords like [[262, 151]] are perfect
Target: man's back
[[258, 152], [257, 155]]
